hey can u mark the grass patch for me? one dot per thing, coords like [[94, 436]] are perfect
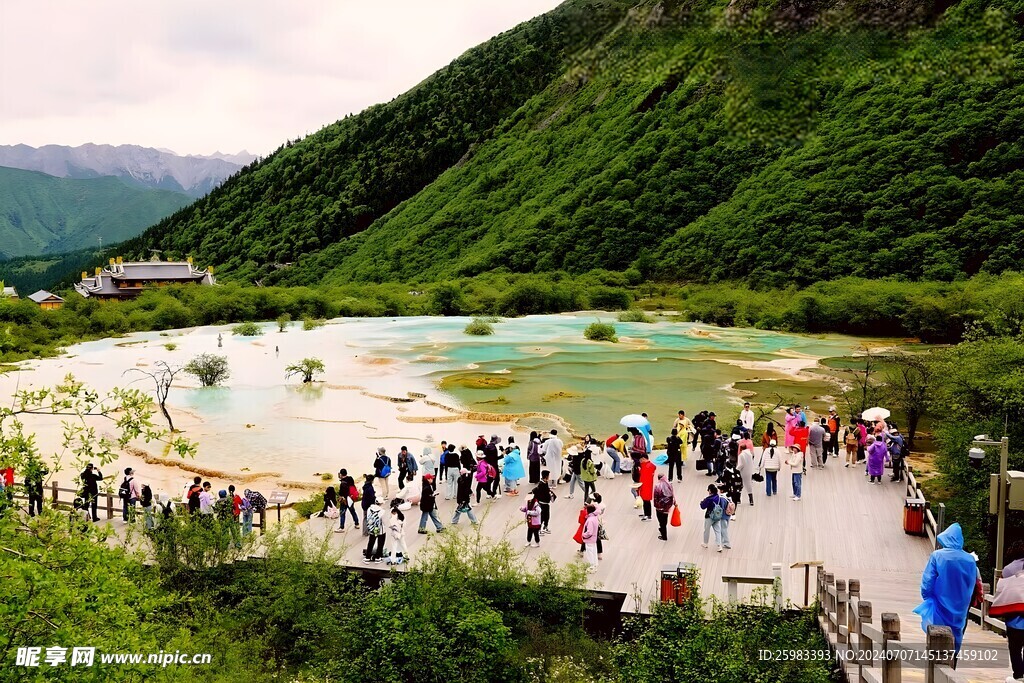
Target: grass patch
[[479, 327], [635, 315], [477, 381], [248, 329]]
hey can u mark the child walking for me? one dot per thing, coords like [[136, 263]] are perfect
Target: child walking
[[532, 511]]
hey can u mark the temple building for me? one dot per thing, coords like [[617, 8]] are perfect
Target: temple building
[[121, 280]]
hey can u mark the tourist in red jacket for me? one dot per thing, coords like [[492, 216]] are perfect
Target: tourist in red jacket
[[647, 470]]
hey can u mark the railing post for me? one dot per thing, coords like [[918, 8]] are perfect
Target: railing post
[[841, 600], [732, 592], [777, 585], [985, 590], [940, 519], [263, 522], [821, 587], [940, 646], [892, 671], [863, 640], [830, 607], [851, 612], [110, 506], [53, 493]]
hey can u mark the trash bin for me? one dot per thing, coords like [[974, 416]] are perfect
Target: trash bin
[[913, 517], [675, 582]]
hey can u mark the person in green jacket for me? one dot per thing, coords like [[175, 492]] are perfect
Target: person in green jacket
[[588, 475]]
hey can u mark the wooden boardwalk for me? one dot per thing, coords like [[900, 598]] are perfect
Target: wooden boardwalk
[[855, 528], [852, 526]]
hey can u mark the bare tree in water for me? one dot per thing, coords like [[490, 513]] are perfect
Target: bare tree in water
[[859, 387], [162, 377]]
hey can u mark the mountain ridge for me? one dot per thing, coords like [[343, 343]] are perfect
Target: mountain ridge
[[660, 139], [192, 175], [43, 214]]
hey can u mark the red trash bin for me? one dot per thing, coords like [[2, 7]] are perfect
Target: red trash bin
[[913, 517], [675, 583]]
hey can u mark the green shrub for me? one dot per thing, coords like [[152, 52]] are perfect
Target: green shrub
[[247, 329], [479, 328], [609, 298], [283, 321], [170, 346], [312, 323], [310, 506], [600, 332], [307, 369], [635, 315]]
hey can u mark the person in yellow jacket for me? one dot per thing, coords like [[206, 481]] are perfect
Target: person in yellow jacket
[[615, 447], [685, 429]]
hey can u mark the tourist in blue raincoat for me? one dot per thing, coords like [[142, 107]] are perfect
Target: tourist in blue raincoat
[[513, 470], [947, 585]]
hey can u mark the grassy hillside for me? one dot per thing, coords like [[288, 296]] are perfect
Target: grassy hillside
[[778, 142], [43, 214]]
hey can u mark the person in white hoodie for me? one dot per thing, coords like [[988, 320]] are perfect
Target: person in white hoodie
[[399, 551], [769, 464], [552, 450], [745, 465], [796, 464]]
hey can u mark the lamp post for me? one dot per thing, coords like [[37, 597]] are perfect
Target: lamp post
[[1004, 465]]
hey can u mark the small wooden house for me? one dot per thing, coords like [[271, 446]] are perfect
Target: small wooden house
[[8, 293], [46, 300]]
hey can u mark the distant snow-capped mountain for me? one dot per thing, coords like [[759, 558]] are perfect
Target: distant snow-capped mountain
[[144, 166]]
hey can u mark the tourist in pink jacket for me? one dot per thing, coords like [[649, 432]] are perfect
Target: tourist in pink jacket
[[591, 527]]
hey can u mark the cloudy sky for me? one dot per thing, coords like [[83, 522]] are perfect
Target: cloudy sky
[[198, 76]]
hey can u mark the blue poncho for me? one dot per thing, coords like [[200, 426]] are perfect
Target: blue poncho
[[948, 584], [513, 468]]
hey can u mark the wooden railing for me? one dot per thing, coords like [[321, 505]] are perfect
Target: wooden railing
[[105, 502], [775, 580], [871, 651]]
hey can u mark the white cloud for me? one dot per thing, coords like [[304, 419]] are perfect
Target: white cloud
[[197, 76]]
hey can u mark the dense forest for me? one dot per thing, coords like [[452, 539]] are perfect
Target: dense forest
[[777, 142]]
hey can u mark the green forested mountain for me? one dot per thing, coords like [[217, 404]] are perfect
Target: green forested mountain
[[43, 214], [775, 141]]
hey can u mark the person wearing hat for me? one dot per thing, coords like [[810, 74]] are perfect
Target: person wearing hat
[[463, 498], [898, 452], [90, 478], [428, 505], [747, 417]]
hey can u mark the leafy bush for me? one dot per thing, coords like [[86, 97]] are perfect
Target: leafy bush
[[635, 315], [310, 506], [312, 323], [283, 321], [170, 346], [479, 328], [247, 329], [600, 332], [609, 298], [209, 369]]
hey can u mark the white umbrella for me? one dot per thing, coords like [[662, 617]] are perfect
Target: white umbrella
[[636, 421], [875, 414]]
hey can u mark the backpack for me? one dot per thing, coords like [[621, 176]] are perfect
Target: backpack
[[730, 509], [354, 493], [126, 489], [491, 472], [385, 466], [193, 495], [718, 511], [895, 450]]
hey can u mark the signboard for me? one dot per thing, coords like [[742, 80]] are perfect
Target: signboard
[[278, 497]]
